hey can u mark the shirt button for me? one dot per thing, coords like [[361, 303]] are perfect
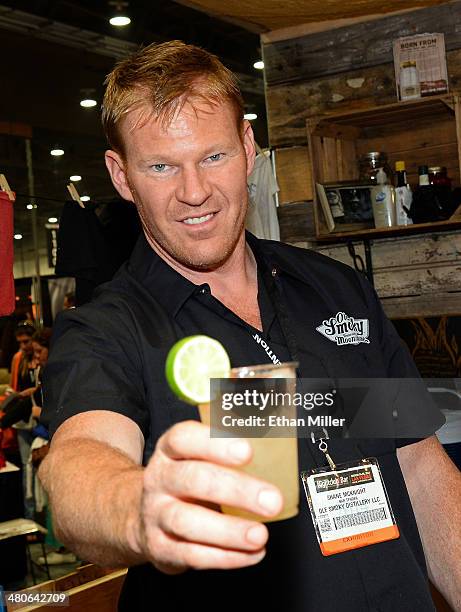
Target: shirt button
[[274, 271]]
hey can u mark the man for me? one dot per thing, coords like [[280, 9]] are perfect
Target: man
[[23, 363], [23, 381], [133, 478], [29, 401]]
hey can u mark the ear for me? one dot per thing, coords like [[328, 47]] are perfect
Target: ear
[[116, 168], [249, 146]]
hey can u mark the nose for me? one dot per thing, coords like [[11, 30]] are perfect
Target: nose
[[193, 188]]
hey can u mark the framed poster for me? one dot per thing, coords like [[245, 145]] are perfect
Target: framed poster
[[346, 205]]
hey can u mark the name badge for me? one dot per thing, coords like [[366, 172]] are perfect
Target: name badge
[[349, 506]]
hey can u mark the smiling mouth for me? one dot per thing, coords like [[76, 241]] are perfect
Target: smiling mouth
[[198, 220]]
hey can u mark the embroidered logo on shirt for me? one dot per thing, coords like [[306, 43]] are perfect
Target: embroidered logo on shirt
[[343, 329]]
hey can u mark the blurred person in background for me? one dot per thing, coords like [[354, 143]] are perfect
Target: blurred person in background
[[8, 328], [69, 300], [24, 382], [23, 363]]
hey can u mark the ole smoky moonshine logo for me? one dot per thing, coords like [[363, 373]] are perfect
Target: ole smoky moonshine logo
[[343, 329]]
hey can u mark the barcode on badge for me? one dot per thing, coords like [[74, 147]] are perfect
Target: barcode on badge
[[360, 518], [325, 524]]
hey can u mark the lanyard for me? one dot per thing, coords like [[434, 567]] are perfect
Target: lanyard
[[275, 291], [279, 307], [265, 345]]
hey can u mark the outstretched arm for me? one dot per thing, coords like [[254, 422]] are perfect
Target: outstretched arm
[[112, 511]]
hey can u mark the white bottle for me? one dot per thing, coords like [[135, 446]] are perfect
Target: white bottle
[[403, 196], [382, 199], [409, 81]]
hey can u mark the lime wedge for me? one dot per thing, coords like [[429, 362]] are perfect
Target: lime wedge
[[191, 363]]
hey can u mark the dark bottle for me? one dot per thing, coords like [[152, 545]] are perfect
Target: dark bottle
[[426, 206], [438, 176], [403, 195], [423, 173], [442, 185]]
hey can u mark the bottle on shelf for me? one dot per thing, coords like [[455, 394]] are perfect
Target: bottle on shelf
[[423, 176], [438, 176], [370, 163], [441, 183], [382, 199], [403, 196], [410, 87], [425, 206]]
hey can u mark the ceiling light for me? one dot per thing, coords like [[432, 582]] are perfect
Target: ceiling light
[[75, 177], [29, 206], [88, 103], [88, 97], [259, 65], [85, 198], [119, 17], [17, 236], [250, 116], [57, 152], [52, 220], [120, 20]]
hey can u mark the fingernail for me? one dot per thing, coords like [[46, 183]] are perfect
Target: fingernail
[[238, 450], [256, 535], [269, 500]]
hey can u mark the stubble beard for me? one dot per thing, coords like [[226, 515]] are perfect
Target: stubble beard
[[174, 251]]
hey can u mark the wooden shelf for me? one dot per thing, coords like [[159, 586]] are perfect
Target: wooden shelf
[[426, 131], [390, 232], [387, 117]]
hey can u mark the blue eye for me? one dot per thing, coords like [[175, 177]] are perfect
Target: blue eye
[[215, 157], [159, 167]]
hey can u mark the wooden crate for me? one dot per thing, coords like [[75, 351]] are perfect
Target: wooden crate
[[293, 174], [420, 132]]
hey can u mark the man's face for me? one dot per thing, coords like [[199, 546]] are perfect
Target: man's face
[[188, 180], [25, 343], [40, 353]]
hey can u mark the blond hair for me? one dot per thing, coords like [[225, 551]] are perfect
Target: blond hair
[[163, 77]]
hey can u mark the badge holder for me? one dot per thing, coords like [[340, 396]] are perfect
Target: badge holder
[[348, 502]]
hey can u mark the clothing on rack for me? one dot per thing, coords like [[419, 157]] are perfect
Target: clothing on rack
[[262, 220], [7, 294], [58, 288], [94, 241]]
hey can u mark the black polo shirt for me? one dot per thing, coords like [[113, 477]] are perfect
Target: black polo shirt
[[110, 354]]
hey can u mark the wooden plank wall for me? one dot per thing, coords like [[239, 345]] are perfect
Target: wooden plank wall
[[296, 220], [417, 276], [347, 68]]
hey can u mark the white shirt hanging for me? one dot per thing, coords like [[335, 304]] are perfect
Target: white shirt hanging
[[262, 220]]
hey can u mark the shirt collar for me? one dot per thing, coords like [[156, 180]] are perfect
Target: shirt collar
[[172, 289], [275, 260], [167, 285]]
